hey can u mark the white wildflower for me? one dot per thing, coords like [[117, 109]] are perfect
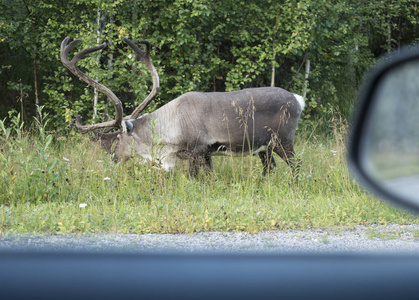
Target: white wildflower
[[332, 167], [81, 205], [107, 178], [333, 152], [98, 160], [65, 159]]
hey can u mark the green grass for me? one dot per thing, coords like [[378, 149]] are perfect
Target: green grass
[[44, 179]]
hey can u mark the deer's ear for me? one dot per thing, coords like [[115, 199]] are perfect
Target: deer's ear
[[130, 126]]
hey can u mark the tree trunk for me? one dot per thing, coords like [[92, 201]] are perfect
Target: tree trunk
[[36, 87], [273, 68], [389, 35], [21, 97], [95, 92], [273, 55], [307, 73], [110, 58]]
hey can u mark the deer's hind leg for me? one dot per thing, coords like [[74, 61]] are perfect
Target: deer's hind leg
[[285, 150], [268, 161]]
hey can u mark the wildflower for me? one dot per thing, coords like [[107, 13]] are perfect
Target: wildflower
[[332, 167], [81, 205], [107, 178], [99, 161], [333, 152]]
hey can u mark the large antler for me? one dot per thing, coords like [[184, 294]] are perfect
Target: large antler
[[72, 66], [145, 56]]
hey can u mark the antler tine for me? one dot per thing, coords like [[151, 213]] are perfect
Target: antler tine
[[72, 66], [145, 56]]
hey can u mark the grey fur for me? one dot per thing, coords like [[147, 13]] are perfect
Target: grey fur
[[197, 125]]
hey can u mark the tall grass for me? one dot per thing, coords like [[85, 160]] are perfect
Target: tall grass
[[67, 184]]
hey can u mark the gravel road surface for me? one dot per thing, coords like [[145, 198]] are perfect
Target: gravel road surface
[[389, 239]]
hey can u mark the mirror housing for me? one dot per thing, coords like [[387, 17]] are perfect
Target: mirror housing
[[384, 140]]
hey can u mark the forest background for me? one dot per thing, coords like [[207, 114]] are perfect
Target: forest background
[[319, 48]]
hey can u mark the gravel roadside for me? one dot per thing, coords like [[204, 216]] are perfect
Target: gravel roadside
[[390, 239]]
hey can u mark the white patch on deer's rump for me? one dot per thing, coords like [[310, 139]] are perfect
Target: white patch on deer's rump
[[300, 100]]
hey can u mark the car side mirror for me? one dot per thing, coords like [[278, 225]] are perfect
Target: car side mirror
[[384, 141]]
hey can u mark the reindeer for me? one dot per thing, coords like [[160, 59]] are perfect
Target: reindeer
[[196, 126]]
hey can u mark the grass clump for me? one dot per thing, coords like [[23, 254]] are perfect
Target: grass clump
[[67, 184]]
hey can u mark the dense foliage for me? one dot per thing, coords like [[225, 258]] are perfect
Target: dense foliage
[[204, 45]]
